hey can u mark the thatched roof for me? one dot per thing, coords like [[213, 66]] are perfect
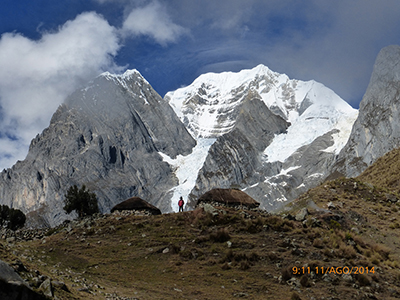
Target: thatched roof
[[229, 197], [136, 203]]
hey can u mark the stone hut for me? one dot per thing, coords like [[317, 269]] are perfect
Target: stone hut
[[136, 204], [228, 197]]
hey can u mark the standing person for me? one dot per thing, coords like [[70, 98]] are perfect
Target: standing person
[[180, 204]]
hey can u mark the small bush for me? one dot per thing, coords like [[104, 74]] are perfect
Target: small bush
[[335, 224], [220, 236], [318, 243], [346, 251], [295, 296], [382, 250], [304, 281], [375, 259], [254, 257], [244, 265], [272, 256], [348, 236], [286, 274], [11, 218], [363, 279], [226, 266]]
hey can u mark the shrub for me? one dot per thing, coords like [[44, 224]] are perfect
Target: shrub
[[295, 296], [286, 274], [318, 243], [244, 265], [304, 281], [11, 218], [81, 200], [363, 279], [347, 251], [220, 236]]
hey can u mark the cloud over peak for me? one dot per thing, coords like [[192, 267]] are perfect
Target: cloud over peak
[[152, 20], [37, 75]]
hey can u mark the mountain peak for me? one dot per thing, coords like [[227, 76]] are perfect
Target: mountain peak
[[128, 73], [207, 106]]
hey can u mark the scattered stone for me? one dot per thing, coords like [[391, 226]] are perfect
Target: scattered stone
[[347, 278], [10, 240], [47, 288], [208, 208], [302, 214], [391, 198], [331, 205], [294, 282], [60, 285]]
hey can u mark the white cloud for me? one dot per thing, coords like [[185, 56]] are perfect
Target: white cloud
[[152, 20], [36, 76]]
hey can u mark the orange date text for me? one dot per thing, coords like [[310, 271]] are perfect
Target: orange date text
[[333, 270]]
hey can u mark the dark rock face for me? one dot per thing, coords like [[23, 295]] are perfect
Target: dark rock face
[[107, 136], [229, 197], [234, 159], [377, 128], [138, 204], [12, 287]]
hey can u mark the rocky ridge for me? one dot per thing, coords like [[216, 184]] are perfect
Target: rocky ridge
[[377, 128]]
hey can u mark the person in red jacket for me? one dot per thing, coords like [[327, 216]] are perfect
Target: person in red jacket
[[180, 204]]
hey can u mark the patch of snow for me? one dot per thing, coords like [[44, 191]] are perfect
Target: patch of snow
[[186, 169], [345, 126], [286, 171], [327, 112], [315, 175]]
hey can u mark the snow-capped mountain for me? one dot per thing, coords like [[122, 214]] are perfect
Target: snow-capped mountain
[[255, 130], [212, 108]]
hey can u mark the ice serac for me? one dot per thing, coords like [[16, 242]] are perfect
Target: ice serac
[[377, 128], [274, 137], [107, 136]]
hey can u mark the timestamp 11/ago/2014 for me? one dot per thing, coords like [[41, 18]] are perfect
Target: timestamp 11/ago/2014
[[333, 270]]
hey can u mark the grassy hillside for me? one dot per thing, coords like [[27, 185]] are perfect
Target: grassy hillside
[[385, 172], [351, 226]]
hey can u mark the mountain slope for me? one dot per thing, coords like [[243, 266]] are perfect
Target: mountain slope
[[260, 123], [107, 136], [377, 128]]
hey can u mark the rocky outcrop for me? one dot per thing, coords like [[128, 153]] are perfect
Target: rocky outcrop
[[234, 159], [377, 128], [107, 136], [13, 287], [136, 204]]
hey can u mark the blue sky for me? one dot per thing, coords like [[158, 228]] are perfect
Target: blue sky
[[50, 48]]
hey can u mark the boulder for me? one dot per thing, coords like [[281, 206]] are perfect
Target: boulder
[[302, 214], [12, 287]]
